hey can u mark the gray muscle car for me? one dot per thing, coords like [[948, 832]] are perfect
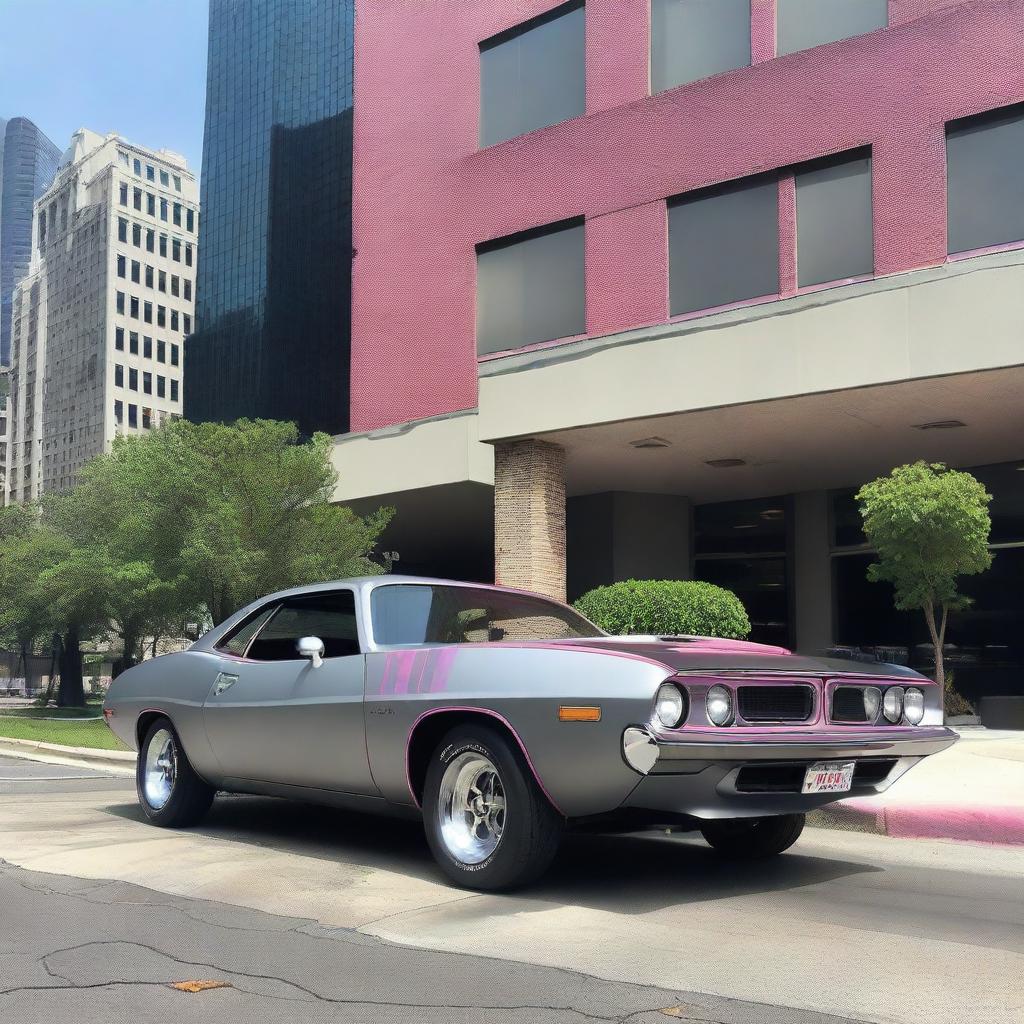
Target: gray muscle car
[[501, 718]]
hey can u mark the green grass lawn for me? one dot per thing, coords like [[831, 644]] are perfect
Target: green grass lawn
[[70, 733], [92, 711]]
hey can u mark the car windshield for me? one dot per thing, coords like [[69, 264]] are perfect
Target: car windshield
[[419, 613]]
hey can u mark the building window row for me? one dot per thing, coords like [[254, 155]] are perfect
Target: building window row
[[724, 243], [180, 287], [147, 346], [147, 382], [149, 417], [179, 251], [144, 309], [179, 214], [534, 75], [139, 169]]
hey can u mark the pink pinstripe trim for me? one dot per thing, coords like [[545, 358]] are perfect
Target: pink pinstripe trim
[[481, 711], [235, 657]]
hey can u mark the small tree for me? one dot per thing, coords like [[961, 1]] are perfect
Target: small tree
[[929, 525]]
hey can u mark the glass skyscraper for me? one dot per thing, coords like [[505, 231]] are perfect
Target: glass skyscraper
[[275, 240], [28, 162]]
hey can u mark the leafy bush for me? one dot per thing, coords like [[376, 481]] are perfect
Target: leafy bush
[[666, 608]]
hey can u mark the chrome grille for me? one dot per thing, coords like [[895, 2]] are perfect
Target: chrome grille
[[775, 703]]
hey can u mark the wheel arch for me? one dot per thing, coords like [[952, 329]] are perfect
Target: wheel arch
[[431, 726], [145, 720]]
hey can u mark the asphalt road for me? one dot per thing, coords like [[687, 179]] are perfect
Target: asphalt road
[[318, 915]]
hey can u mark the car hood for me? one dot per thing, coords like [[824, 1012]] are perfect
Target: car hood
[[699, 654]]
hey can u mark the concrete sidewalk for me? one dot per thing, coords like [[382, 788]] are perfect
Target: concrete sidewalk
[[118, 762], [973, 792]]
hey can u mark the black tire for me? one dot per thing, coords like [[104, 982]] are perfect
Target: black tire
[[190, 797], [753, 838], [531, 830]]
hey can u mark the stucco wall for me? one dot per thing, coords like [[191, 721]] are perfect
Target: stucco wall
[[424, 195]]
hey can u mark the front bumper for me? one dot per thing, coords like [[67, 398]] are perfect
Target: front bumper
[[702, 777]]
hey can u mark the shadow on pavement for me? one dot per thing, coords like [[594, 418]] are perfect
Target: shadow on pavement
[[627, 874]]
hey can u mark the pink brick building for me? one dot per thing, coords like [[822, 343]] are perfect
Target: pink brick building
[[695, 270]]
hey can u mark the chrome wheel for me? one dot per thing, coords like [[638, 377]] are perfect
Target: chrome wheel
[[471, 807], [161, 769]]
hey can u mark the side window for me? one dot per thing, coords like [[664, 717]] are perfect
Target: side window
[[238, 639], [330, 616]]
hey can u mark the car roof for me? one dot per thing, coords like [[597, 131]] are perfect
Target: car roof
[[367, 582]]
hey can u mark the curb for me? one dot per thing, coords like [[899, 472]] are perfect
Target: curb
[[118, 762], [925, 821]]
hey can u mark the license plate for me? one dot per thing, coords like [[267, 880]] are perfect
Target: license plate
[[829, 777]]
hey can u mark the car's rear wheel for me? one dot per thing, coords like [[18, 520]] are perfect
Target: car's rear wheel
[[170, 792], [488, 824], [754, 838]]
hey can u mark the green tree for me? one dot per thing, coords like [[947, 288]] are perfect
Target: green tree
[[50, 587], [225, 513], [929, 525], [187, 522]]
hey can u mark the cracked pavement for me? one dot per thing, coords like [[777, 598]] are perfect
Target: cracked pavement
[[118, 948], [318, 915]]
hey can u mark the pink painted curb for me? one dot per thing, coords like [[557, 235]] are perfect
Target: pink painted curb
[[999, 824]]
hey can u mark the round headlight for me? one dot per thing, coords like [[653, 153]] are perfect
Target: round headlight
[[892, 704], [669, 705], [913, 705], [719, 705], [872, 702]]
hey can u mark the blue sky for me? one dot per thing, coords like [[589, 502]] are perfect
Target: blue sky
[[67, 64]]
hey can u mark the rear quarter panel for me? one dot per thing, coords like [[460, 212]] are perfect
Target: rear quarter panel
[[176, 685], [578, 764]]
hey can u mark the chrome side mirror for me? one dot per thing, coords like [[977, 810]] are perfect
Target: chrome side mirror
[[311, 647]]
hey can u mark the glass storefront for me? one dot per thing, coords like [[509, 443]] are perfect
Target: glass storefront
[[742, 545]]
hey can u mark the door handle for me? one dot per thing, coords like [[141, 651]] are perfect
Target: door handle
[[223, 682]]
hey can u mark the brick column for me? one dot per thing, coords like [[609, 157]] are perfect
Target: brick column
[[529, 517]]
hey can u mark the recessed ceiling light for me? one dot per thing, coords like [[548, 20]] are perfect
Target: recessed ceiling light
[[725, 463], [772, 513], [651, 442], [940, 425], [745, 526]]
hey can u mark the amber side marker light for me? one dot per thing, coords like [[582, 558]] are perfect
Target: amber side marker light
[[579, 714]]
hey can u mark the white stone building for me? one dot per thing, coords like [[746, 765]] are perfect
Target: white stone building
[[100, 320]]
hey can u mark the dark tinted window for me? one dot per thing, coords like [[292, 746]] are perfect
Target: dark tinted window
[[238, 639], [749, 527], [331, 616], [692, 39], [835, 239], [807, 23], [530, 288], [724, 245], [533, 75], [985, 190], [414, 613]]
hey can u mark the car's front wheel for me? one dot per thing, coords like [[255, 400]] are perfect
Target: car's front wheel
[[488, 824], [753, 838], [170, 792]]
